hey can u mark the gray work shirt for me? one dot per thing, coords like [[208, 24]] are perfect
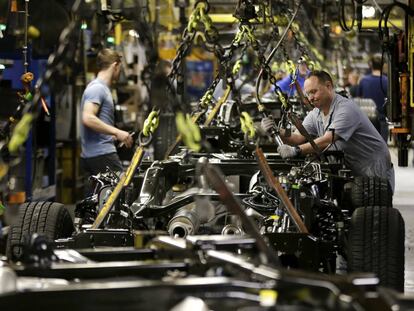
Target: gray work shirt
[[93, 143], [366, 153]]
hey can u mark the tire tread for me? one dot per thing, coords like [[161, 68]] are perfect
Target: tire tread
[[51, 219], [376, 244]]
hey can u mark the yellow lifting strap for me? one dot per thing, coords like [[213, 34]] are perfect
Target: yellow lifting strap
[[20, 132], [189, 131], [124, 181], [247, 124], [151, 123], [216, 108], [136, 160]]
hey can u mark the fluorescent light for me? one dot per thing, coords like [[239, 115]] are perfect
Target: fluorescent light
[[368, 11]]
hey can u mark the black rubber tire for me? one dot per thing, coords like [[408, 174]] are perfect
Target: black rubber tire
[[371, 191], [50, 219], [376, 244]]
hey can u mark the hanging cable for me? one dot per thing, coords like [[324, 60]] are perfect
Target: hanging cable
[[383, 30], [272, 53], [342, 17]]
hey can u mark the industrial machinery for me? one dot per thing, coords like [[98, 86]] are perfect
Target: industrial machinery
[[195, 273], [320, 212], [219, 223]]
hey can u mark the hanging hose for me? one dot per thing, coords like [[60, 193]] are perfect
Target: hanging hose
[[342, 18], [272, 53]]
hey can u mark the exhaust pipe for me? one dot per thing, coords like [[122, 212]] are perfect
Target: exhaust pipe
[[185, 222], [233, 226], [231, 229]]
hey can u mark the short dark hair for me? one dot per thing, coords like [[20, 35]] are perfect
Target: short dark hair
[[106, 57], [322, 76], [376, 62]]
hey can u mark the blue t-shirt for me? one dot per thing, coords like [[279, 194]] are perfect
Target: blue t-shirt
[[93, 143], [285, 84], [370, 87]]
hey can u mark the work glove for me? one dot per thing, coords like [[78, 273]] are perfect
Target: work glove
[[267, 124], [287, 151]]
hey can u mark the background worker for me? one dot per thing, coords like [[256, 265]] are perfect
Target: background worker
[[98, 133], [352, 83], [374, 86], [286, 85], [338, 120]]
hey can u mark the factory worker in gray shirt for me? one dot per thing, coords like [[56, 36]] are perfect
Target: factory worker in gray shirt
[[336, 118], [98, 132]]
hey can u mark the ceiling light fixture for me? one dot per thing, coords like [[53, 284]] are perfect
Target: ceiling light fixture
[[368, 11]]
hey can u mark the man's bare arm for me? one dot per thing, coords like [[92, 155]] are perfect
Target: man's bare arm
[[91, 120]]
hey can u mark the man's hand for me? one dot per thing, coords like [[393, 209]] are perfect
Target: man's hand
[[124, 138], [267, 124], [287, 151]]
